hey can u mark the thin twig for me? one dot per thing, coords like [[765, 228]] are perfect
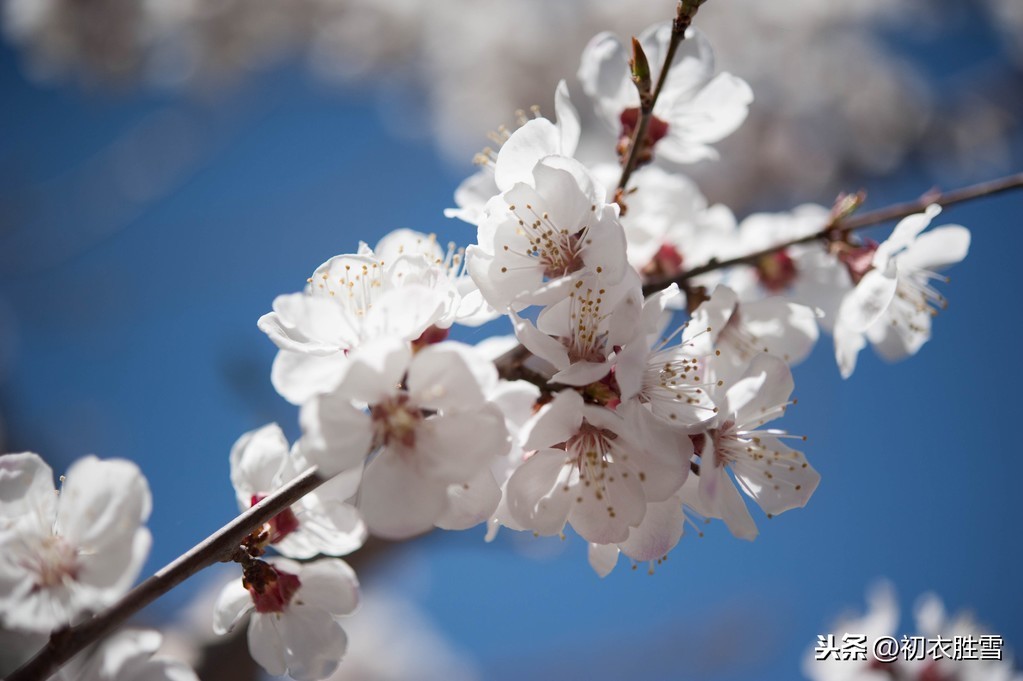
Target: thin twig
[[839, 228], [219, 546], [683, 18]]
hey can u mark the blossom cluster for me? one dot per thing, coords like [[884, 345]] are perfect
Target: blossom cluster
[[637, 396], [621, 415]]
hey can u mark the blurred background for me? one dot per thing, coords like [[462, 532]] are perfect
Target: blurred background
[[167, 167]]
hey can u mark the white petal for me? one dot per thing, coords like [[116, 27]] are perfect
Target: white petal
[[107, 571], [298, 377], [521, 152], [24, 480], [396, 501], [233, 603], [604, 511], [450, 375], [310, 324], [568, 120], [659, 532], [756, 398], [785, 329], [313, 643], [539, 343], [604, 76], [720, 499], [535, 496], [454, 448], [335, 435], [556, 422], [582, 373], [470, 503], [329, 584], [848, 344], [103, 502], [331, 527], [403, 313], [258, 459], [603, 558], [472, 194], [374, 371], [904, 234], [266, 645], [865, 304], [937, 249], [782, 480]]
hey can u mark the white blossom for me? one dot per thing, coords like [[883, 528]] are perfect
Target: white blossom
[[591, 468], [777, 477], [294, 606], [538, 238], [64, 555], [129, 655], [319, 522], [436, 431], [893, 300], [695, 108]]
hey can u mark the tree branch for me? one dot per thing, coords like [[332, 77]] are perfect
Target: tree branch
[[683, 18], [67, 642], [839, 228]]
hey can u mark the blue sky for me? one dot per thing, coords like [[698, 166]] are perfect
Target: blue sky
[[129, 299]]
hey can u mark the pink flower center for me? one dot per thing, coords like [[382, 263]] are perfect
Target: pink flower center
[[395, 421], [433, 334], [858, 260], [667, 262], [53, 560], [282, 524], [271, 588], [776, 271], [656, 130]]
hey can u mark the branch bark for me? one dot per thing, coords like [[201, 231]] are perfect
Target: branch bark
[[839, 228], [683, 19]]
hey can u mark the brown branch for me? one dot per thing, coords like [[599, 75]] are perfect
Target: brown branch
[[67, 642], [839, 228], [683, 18]]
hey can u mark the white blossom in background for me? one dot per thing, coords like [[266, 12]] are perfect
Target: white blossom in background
[[128, 655], [392, 640], [806, 273], [893, 299], [320, 522], [294, 610], [810, 130], [696, 106], [669, 224], [933, 621], [66, 554], [740, 331], [882, 620]]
